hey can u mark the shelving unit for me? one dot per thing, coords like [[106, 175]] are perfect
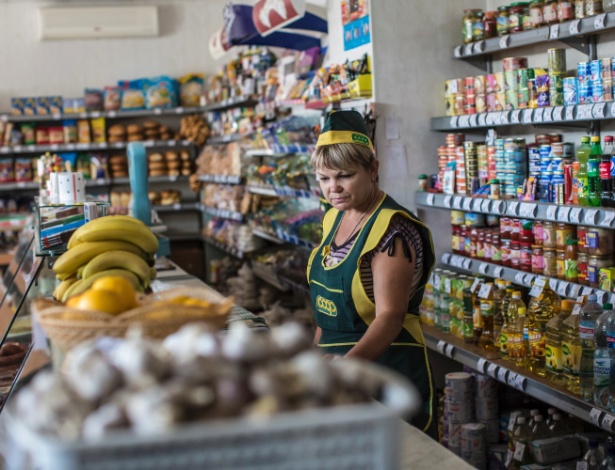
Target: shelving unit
[[231, 250], [178, 207], [222, 179], [283, 191], [223, 213], [236, 102], [24, 149]]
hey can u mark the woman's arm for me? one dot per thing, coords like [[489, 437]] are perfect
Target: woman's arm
[[393, 276], [317, 334]]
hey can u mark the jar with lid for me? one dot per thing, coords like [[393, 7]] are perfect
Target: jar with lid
[[505, 252], [564, 232], [538, 260], [525, 261], [600, 241], [503, 20], [561, 264], [579, 9], [488, 246], [496, 251], [565, 10], [504, 228], [527, 231], [480, 245], [477, 27], [490, 24], [423, 182], [581, 235], [550, 267], [570, 258], [526, 22], [582, 260], [549, 12], [515, 255], [549, 239], [473, 242], [593, 7], [536, 18], [515, 16], [515, 229], [467, 25], [538, 233], [593, 268], [494, 189]]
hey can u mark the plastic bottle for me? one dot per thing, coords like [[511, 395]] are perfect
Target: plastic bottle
[[606, 181], [571, 350], [540, 429], [550, 413], [602, 360], [498, 317], [558, 427], [593, 457], [582, 181], [610, 342], [533, 413], [553, 350], [589, 314], [487, 311], [593, 172], [522, 437], [510, 341], [540, 310], [609, 461]]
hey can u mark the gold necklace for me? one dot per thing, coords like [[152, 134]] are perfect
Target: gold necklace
[[355, 227]]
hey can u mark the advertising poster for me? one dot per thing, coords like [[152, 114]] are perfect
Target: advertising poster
[[355, 20]]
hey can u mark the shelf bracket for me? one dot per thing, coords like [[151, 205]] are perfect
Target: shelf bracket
[[481, 62], [581, 44]]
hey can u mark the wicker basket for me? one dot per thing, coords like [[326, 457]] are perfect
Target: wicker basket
[[67, 327]]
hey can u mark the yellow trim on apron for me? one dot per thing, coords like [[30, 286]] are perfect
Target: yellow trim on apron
[[336, 291]]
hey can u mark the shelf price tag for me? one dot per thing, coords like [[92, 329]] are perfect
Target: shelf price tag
[[498, 207], [551, 210], [482, 119], [504, 117], [528, 211], [497, 119], [446, 257], [430, 199], [527, 116], [467, 49], [475, 284], [575, 215], [613, 110], [599, 21], [562, 288], [504, 41], [512, 208], [562, 214], [538, 113], [558, 113], [590, 216], [502, 374], [575, 290], [492, 370], [512, 376], [485, 203], [547, 114], [453, 122], [467, 264], [515, 115], [497, 272], [484, 291], [440, 346], [537, 287], [600, 295], [528, 279], [519, 278], [480, 365], [447, 200], [473, 120], [477, 205], [483, 268], [464, 121], [607, 422], [594, 416], [587, 291], [457, 202], [574, 27], [608, 219], [467, 203], [449, 350], [598, 110], [457, 51], [554, 32], [479, 46], [584, 112], [570, 113], [520, 382]]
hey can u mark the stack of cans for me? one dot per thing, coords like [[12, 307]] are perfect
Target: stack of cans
[[500, 164], [454, 96], [470, 95], [461, 176], [511, 83], [491, 164], [546, 173], [556, 59], [473, 445], [584, 86], [533, 158], [515, 168], [458, 407], [471, 166], [494, 92], [607, 79], [483, 166], [486, 407]]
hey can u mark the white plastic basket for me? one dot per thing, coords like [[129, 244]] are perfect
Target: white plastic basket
[[349, 437]]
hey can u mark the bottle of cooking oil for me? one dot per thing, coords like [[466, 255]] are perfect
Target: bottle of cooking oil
[[553, 351], [521, 339], [571, 350], [509, 340], [498, 316], [477, 318], [487, 307], [454, 325], [540, 310], [521, 436], [507, 297]]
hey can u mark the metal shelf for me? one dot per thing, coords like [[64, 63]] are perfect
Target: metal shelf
[[295, 240], [119, 114], [522, 278], [221, 179], [284, 191], [590, 216], [237, 102], [231, 250], [224, 139], [265, 236], [179, 207], [570, 32], [223, 213], [490, 362], [268, 274], [21, 149]]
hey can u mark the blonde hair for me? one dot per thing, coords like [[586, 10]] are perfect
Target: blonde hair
[[342, 156]]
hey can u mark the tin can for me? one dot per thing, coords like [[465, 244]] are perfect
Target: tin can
[[597, 91], [568, 182], [481, 103], [556, 60], [458, 384], [480, 84], [607, 88], [460, 104], [584, 93], [571, 85], [514, 63], [583, 72], [468, 83], [595, 70], [607, 68], [470, 104], [474, 444]]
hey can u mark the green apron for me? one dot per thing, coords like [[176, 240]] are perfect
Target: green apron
[[344, 312]]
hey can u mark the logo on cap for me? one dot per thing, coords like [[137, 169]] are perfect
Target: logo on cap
[[360, 139]]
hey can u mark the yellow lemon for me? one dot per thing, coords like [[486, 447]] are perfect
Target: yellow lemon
[[102, 300], [120, 286]]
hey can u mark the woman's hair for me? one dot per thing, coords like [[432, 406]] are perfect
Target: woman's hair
[[342, 156]]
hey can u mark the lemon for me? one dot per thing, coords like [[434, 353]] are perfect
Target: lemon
[[120, 286], [101, 300]]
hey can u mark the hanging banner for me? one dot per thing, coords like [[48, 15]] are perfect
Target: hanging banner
[[218, 45], [355, 20], [272, 15]]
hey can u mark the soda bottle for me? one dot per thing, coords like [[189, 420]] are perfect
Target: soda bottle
[[498, 317], [540, 310], [553, 350], [587, 322], [571, 350], [593, 457], [582, 181], [593, 172], [606, 179], [602, 360]]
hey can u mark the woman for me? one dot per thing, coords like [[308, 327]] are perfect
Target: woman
[[367, 277]]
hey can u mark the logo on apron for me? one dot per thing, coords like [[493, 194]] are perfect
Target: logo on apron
[[326, 306]]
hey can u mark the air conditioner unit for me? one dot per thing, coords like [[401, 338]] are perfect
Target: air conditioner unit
[[97, 22]]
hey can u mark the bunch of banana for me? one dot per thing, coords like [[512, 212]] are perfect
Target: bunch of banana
[[112, 245]]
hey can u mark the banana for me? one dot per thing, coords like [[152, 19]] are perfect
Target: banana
[[61, 288], [118, 259], [81, 254], [84, 284], [116, 228], [153, 273]]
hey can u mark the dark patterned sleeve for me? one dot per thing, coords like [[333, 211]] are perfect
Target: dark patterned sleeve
[[403, 228]]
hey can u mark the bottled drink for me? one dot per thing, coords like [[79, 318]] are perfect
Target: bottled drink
[[550, 413], [589, 314], [539, 311], [510, 341], [540, 429], [609, 462], [557, 428], [498, 317], [571, 350], [606, 180], [602, 360], [593, 457], [593, 172], [487, 307], [507, 298], [553, 351], [521, 437], [582, 181], [533, 413]]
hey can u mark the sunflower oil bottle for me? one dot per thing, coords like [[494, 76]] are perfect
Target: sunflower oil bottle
[[544, 305], [498, 316], [511, 344], [487, 311], [587, 322], [602, 359], [571, 350], [454, 325], [553, 350]]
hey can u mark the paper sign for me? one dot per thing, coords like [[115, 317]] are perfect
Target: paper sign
[[598, 110], [391, 126], [480, 365], [476, 205], [484, 291], [519, 451], [483, 268], [594, 416], [504, 42], [498, 207], [590, 216], [485, 203], [497, 272], [492, 370], [599, 21], [574, 27], [551, 210], [584, 112], [512, 420], [502, 374], [613, 110], [553, 32], [608, 219], [547, 114], [396, 162], [475, 284], [562, 214], [600, 295], [528, 279]]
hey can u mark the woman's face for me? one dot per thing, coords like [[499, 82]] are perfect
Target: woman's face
[[347, 189]]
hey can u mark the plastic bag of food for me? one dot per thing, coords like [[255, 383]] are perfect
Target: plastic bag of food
[[113, 98], [191, 89], [94, 99], [133, 94], [99, 132], [160, 93]]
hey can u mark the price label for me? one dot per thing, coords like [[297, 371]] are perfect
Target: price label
[[590, 216], [498, 207], [467, 203], [553, 283], [520, 382], [447, 200], [570, 113], [479, 46], [447, 285], [600, 295], [453, 123], [504, 41], [475, 285], [512, 376], [527, 116], [482, 119], [502, 374], [480, 365], [536, 290], [575, 289], [562, 214], [599, 21], [512, 208], [504, 115], [515, 414], [515, 116], [467, 264], [594, 416], [608, 219], [467, 49], [446, 258], [430, 199], [562, 288], [157, 111], [519, 278], [613, 110], [547, 114], [584, 112], [457, 51], [449, 350], [538, 114], [474, 120], [497, 119], [582, 466], [492, 370], [528, 279], [587, 291], [457, 202], [483, 268], [598, 110], [528, 211], [489, 119], [477, 204], [519, 451], [558, 113], [607, 422], [497, 272], [441, 345], [574, 27], [551, 210], [464, 121], [554, 32]]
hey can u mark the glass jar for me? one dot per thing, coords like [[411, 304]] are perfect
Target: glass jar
[[527, 231], [526, 22], [503, 20], [599, 241], [581, 235], [538, 232], [488, 246], [480, 245], [515, 229], [490, 28], [515, 255], [593, 268], [467, 25], [565, 10], [525, 260], [496, 251], [473, 242], [593, 7], [550, 257], [515, 16], [570, 258], [505, 252], [538, 260], [536, 18], [561, 264], [549, 239], [477, 27], [504, 228], [549, 12], [582, 260], [579, 9], [564, 232]]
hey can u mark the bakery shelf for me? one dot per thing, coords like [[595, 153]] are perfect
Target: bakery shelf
[[262, 190], [284, 191], [266, 236], [178, 207], [19, 186], [296, 286], [590, 216], [549, 116], [295, 240], [565, 32], [119, 114], [490, 362], [223, 213], [231, 250], [268, 274], [237, 102], [224, 139], [522, 278], [221, 179], [21, 149]]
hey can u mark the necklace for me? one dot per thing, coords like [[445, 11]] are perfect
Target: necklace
[[358, 223]]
